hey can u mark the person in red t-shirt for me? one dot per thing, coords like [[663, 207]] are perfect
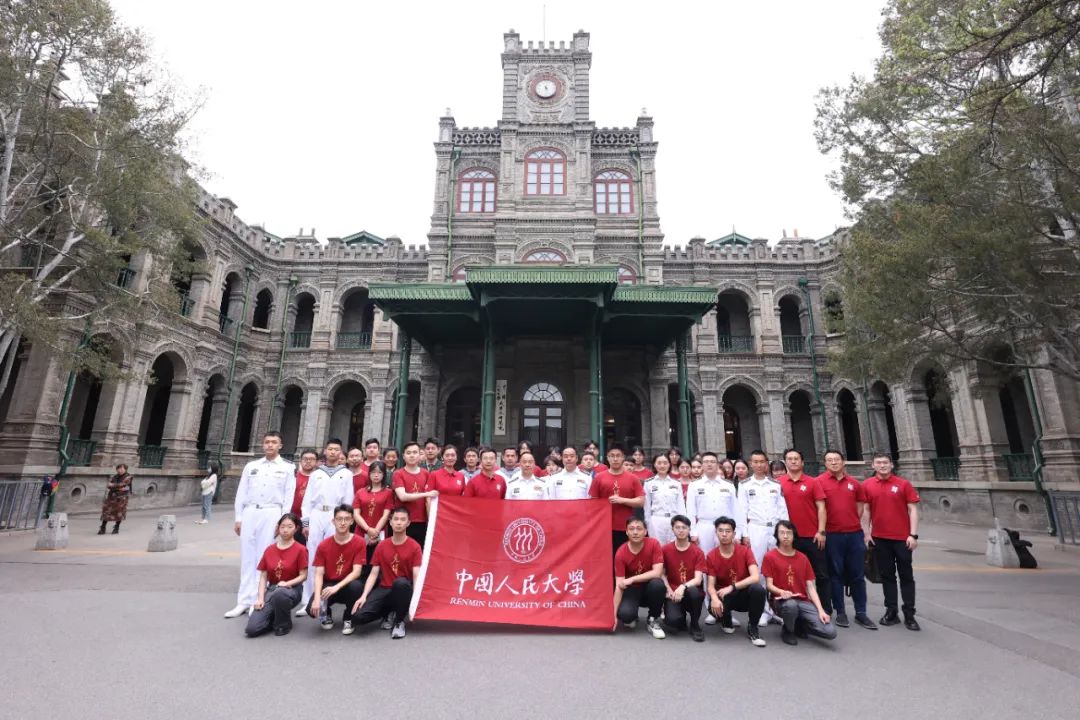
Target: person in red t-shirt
[[789, 578], [636, 463], [591, 447], [846, 546], [684, 574], [309, 460], [354, 460], [372, 506], [806, 509], [339, 559], [283, 568], [395, 567], [894, 534], [639, 569], [488, 483], [734, 581], [412, 491], [622, 490]]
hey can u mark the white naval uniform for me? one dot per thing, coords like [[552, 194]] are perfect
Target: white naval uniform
[[761, 506], [521, 489], [327, 488], [663, 501], [567, 485], [707, 500], [264, 494], [507, 474]]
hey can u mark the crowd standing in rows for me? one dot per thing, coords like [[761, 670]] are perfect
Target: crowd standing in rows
[[688, 534]]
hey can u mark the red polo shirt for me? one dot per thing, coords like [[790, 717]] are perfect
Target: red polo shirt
[[447, 481], [888, 500], [680, 565], [788, 573], [360, 479], [841, 496], [627, 564], [801, 498], [605, 485], [483, 486]]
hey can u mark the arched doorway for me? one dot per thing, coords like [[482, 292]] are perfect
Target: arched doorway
[[291, 413], [802, 425], [884, 423], [212, 416], [742, 432], [733, 330], [791, 329], [622, 418], [939, 398], [849, 424], [264, 305], [245, 418], [463, 418], [542, 419], [357, 320], [162, 408], [303, 321], [347, 413]]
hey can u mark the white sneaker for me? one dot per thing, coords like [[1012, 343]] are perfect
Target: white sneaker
[[301, 611], [237, 611], [763, 621], [710, 620], [347, 628], [655, 629], [735, 622], [398, 631]]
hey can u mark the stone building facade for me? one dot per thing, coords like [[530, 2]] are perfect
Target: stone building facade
[[287, 333]]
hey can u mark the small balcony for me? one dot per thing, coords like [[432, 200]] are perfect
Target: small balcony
[[733, 344], [354, 341], [794, 344], [152, 456], [946, 468], [299, 340], [125, 278], [1021, 466]]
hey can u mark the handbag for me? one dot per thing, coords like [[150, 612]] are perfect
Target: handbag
[[870, 566]]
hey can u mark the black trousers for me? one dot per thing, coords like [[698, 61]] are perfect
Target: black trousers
[[675, 612], [417, 531], [750, 600], [618, 538], [345, 596], [638, 595], [894, 558], [819, 560], [382, 600], [276, 612]]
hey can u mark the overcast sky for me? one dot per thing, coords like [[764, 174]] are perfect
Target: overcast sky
[[322, 114]]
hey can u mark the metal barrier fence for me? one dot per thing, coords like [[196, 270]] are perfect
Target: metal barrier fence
[[21, 504], [1067, 514]]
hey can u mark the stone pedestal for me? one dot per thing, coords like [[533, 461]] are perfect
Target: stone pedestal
[[1000, 551], [52, 534], [164, 537]]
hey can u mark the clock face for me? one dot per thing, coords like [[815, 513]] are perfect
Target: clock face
[[546, 89]]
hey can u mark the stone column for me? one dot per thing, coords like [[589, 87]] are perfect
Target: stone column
[[31, 432], [914, 434], [309, 423]]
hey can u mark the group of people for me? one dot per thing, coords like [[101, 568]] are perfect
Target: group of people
[[688, 534]]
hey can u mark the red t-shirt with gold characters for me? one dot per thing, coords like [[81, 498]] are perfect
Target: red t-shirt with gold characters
[[396, 561], [283, 565]]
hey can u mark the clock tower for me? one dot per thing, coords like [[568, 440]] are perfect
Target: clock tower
[[548, 83]]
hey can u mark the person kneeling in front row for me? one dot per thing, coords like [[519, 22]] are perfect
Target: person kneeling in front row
[[789, 578], [339, 560], [639, 565], [395, 567], [684, 574], [734, 581], [282, 571]]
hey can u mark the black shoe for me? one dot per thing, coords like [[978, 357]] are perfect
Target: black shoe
[[281, 631], [800, 630], [788, 637], [116, 529], [841, 620], [864, 620], [697, 634], [911, 624], [755, 637], [890, 618], [101, 530]]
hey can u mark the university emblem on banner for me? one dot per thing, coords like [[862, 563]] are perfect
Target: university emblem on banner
[[523, 540]]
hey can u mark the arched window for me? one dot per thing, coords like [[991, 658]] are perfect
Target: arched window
[[542, 416], [626, 275], [613, 194], [545, 173], [459, 274], [543, 393], [545, 256], [476, 191]]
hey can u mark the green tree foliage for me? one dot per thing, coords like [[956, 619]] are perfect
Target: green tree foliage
[[960, 162], [90, 178]]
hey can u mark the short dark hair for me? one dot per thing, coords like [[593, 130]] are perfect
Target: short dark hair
[[617, 447], [390, 449], [332, 441], [510, 448], [709, 453], [343, 507], [635, 519], [675, 449], [432, 441], [590, 453], [309, 451], [354, 448], [371, 441], [527, 452], [761, 453], [885, 455], [637, 449], [121, 465], [587, 443], [483, 449], [723, 520], [403, 510], [833, 451], [785, 524], [448, 446], [680, 518], [793, 450], [272, 433], [409, 444]]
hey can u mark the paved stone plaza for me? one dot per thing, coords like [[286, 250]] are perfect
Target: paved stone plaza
[[106, 630]]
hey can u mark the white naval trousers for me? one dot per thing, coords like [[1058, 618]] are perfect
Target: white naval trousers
[[320, 527], [706, 535], [659, 527], [257, 528], [762, 541]]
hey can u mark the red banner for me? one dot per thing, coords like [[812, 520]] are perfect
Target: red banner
[[530, 562]]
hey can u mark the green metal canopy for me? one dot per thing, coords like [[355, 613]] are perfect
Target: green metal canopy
[[519, 300]]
